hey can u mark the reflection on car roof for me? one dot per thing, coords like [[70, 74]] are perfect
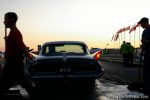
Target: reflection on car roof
[[59, 42]]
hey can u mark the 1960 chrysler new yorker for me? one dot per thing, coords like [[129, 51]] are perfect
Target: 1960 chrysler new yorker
[[65, 60]]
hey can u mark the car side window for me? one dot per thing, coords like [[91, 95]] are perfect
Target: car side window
[[47, 50]]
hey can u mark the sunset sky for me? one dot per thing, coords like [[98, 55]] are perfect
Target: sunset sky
[[91, 21]]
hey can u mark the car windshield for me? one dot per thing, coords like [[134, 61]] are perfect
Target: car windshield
[[58, 49]]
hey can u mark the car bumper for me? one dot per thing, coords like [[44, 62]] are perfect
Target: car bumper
[[78, 75]]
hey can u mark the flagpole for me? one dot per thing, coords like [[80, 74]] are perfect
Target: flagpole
[[134, 38], [119, 42], [139, 37], [5, 36], [130, 37], [124, 36], [121, 37], [114, 44]]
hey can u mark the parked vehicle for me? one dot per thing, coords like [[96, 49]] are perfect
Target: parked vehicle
[[65, 61]]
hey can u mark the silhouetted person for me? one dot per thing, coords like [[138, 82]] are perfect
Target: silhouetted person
[[124, 52], [13, 71], [130, 53], [146, 49]]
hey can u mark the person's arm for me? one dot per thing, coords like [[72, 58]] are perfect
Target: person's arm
[[133, 48], [21, 46], [146, 41], [27, 53], [142, 52], [121, 49]]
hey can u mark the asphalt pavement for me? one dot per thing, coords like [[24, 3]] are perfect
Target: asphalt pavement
[[105, 89], [131, 75]]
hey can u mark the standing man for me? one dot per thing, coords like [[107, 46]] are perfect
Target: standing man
[[130, 53], [15, 49], [124, 52], [146, 49]]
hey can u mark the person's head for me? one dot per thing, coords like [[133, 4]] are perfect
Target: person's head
[[124, 42], [144, 22], [10, 19], [128, 43]]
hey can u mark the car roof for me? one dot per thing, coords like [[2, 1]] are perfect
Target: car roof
[[60, 42], [95, 48]]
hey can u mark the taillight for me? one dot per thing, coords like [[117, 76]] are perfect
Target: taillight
[[98, 55]]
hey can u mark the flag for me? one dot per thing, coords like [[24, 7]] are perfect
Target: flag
[[120, 30], [127, 28], [123, 29], [138, 25], [116, 36], [112, 37], [133, 28]]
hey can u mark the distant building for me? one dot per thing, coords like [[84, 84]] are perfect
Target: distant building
[[39, 47]]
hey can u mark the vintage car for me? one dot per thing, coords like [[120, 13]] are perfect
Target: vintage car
[[65, 61]]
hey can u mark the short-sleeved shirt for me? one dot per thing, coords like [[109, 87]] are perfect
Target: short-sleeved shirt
[[124, 48], [130, 49], [146, 36], [14, 46]]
